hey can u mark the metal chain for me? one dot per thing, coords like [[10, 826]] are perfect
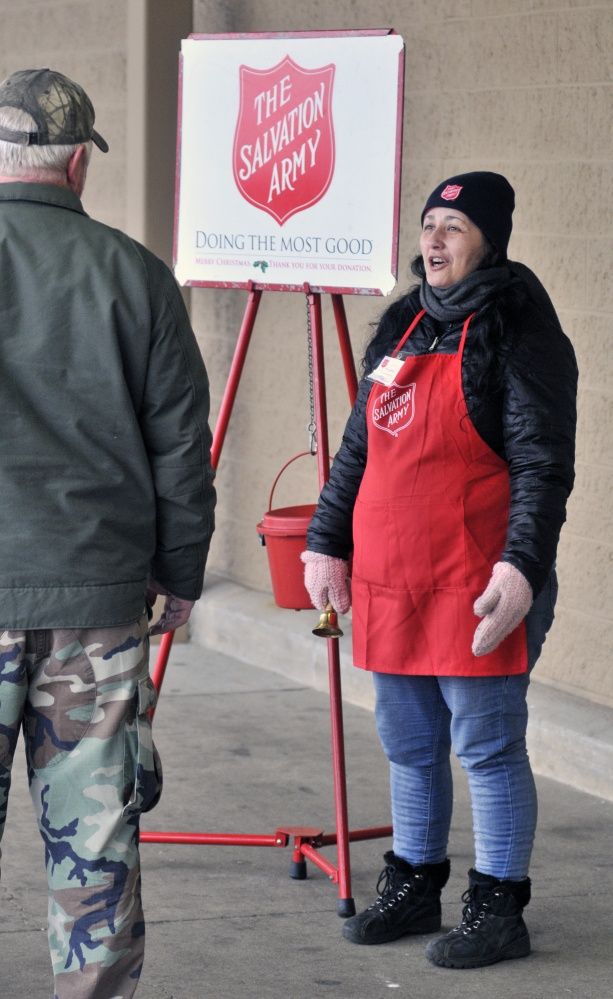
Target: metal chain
[[311, 426]]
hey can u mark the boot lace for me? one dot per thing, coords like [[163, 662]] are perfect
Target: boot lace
[[392, 892], [475, 910]]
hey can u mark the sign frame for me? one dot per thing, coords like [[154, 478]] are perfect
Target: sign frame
[[335, 284]]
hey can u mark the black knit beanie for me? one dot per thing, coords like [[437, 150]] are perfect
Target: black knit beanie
[[487, 198]]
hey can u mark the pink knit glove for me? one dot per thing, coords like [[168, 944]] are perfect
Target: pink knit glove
[[503, 605], [326, 580]]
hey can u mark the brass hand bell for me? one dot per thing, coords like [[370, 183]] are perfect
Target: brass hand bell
[[328, 624]]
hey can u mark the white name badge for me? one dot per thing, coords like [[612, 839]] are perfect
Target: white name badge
[[387, 370]]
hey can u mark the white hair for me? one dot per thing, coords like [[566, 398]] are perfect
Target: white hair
[[44, 163]]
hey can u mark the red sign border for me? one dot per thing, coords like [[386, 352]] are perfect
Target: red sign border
[[264, 285]]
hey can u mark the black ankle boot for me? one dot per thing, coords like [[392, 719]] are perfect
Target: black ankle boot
[[409, 902], [492, 928]]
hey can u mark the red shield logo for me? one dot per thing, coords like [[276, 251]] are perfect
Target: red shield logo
[[451, 192], [395, 408], [283, 156]]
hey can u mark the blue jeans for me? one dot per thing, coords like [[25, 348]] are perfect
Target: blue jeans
[[485, 718]]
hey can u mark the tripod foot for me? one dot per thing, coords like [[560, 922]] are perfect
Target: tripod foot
[[346, 908], [298, 870]]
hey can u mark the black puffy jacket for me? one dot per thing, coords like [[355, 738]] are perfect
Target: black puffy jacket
[[525, 411]]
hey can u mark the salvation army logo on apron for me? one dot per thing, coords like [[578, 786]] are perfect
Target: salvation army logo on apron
[[394, 408], [284, 152]]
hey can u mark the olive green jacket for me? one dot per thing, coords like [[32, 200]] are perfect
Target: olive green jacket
[[105, 471]]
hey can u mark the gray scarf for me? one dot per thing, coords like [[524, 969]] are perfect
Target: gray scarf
[[478, 288]]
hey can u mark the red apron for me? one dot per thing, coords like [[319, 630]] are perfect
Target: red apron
[[429, 524]]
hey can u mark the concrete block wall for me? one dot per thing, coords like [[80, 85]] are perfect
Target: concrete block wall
[[524, 87], [125, 53], [87, 41]]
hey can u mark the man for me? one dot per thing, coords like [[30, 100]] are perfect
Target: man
[[105, 480]]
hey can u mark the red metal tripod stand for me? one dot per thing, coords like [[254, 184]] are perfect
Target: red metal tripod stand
[[307, 840]]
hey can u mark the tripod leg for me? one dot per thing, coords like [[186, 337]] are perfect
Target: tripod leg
[[346, 905], [338, 306], [236, 371], [223, 419]]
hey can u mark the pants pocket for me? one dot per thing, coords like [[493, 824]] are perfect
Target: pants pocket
[[142, 764]]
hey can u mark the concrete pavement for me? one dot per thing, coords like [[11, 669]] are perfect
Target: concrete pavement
[[569, 737], [246, 750]]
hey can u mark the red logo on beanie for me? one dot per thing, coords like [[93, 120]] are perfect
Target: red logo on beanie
[[451, 192]]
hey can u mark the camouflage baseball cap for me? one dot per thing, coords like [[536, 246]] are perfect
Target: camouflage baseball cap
[[61, 109]]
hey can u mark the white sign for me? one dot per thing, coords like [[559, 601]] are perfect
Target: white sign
[[289, 158]]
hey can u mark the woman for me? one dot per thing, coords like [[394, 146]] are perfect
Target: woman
[[450, 487]]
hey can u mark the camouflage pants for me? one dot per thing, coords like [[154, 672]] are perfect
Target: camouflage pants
[[83, 698]]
